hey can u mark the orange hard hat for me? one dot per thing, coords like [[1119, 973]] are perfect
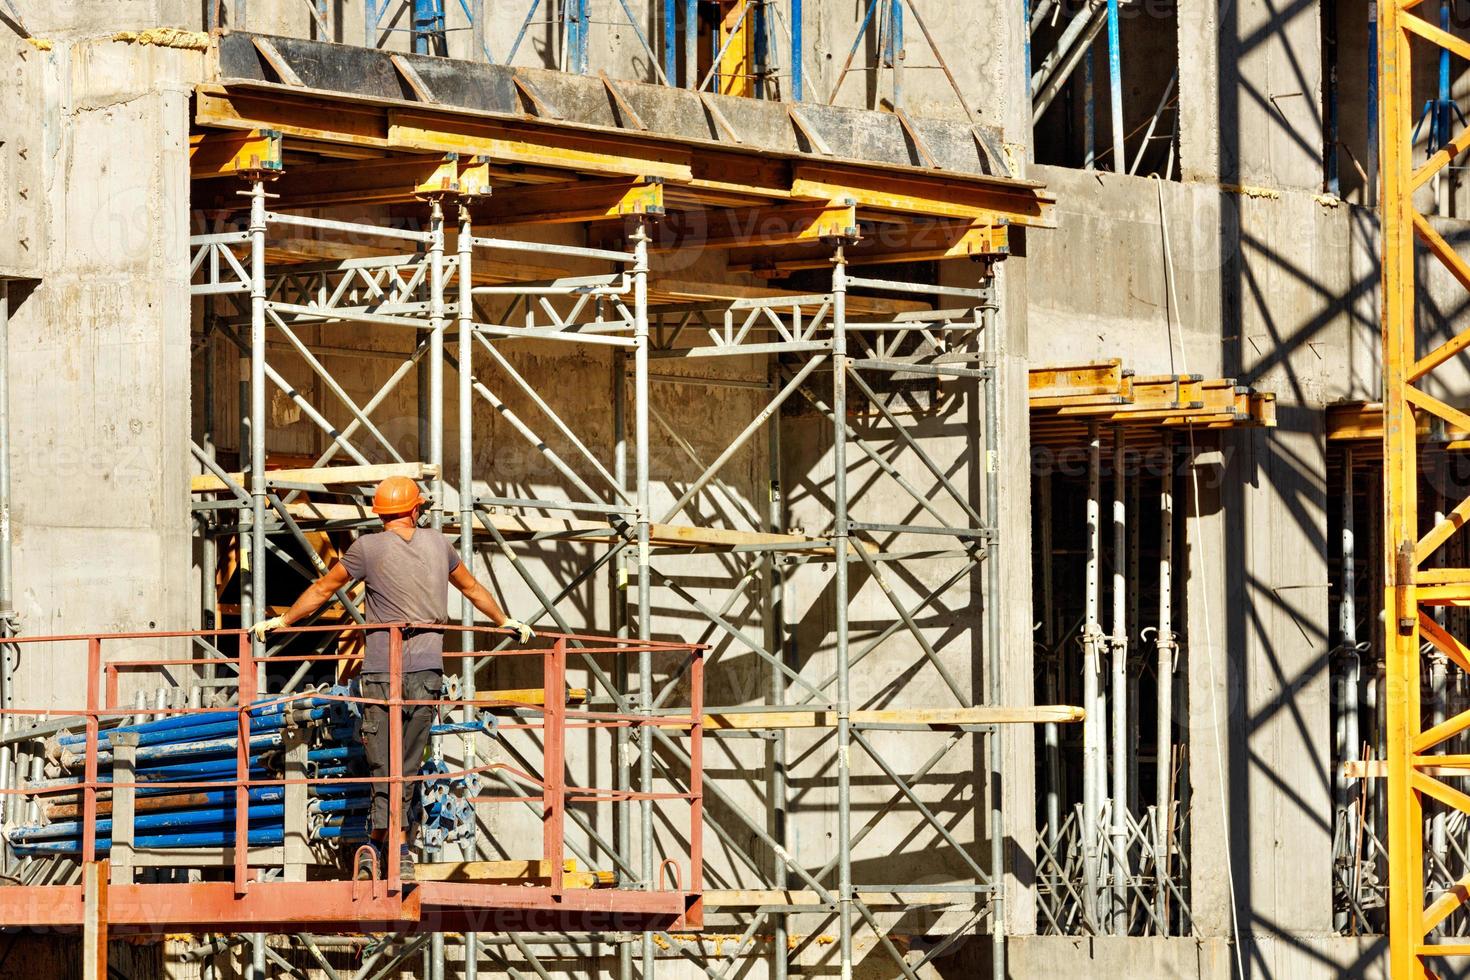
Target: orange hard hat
[[396, 495]]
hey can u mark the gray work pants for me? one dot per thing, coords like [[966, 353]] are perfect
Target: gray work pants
[[418, 685]]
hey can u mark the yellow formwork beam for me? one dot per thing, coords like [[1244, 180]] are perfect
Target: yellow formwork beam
[[890, 241], [574, 201], [456, 176], [704, 174], [228, 153]]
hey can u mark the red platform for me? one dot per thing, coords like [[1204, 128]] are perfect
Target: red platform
[[350, 907], [241, 903]]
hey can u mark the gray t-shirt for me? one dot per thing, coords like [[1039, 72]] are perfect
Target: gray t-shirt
[[407, 582]]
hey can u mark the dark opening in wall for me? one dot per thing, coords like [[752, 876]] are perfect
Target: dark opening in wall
[[1070, 86], [1350, 102]]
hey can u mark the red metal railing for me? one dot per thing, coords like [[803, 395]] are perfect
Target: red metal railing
[[555, 719]]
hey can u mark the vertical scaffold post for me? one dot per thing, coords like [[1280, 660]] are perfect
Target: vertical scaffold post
[[1051, 733], [1092, 750], [671, 40], [124, 792], [691, 43], [437, 324], [7, 583], [994, 453], [839, 618], [1164, 699], [1118, 645], [1115, 85], [465, 313], [1352, 666], [258, 490], [797, 74], [645, 578], [776, 643], [89, 794], [618, 601]]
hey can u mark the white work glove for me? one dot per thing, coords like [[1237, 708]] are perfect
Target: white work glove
[[523, 632], [263, 627]]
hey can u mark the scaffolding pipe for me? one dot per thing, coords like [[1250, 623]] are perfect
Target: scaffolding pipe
[[258, 489], [1092, 699], [7, 587], [797, 72], [691, 43], [1118, 645], [841, 558], [1165, 649], [618, 602], [645, 583], [1135, 664], [465, 246], [1073, 47], [671, 40], [776, 643], [1050, 733], [994, 446], [1115, 86]]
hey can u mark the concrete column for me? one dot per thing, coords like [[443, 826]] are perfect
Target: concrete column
[[124, 771], [294, 797], [1267, 105], [100, 355], [1199, 90]]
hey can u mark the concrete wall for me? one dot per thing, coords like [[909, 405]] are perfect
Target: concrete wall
[[99, 354]]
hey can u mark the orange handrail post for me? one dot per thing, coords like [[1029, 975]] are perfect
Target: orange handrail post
[[89, 793], [553, 813]]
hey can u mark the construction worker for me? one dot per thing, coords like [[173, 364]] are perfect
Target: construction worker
[[407, 571]]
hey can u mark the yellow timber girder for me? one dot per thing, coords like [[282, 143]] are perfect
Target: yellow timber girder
[[1415, 754]]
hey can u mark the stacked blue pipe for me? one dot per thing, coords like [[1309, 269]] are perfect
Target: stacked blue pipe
[[202, 748]]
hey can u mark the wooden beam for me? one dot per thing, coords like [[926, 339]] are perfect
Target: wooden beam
[[763, 228], [331, 118], [1100, 383], [522, 526], [326, 475], [278, 64], [935, 197], [415, 82], [577, 150], [530, 696], [573, 201], [427, 131], [621, 101], [385, 180], [882, 243], [934, 718], [744, 898]]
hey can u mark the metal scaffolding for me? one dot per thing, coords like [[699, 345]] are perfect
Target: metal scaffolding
[[871, 381]]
